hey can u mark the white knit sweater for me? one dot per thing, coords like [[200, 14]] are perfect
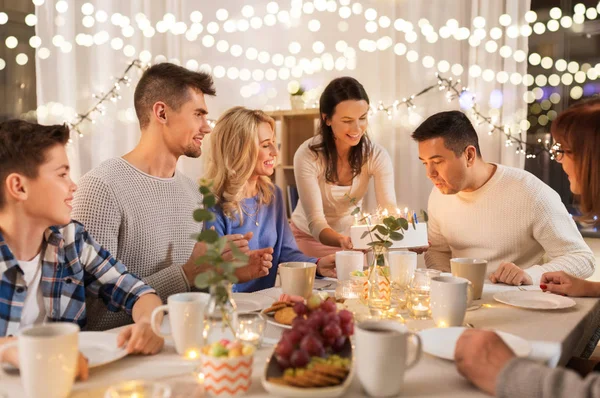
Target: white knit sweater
[[142, 220], [319, 208], [514, 217]]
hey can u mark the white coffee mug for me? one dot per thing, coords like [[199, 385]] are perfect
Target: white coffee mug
[[298, 278], [402, 266], [347, 261], [382, 356], [48, 359], [449, 300], [186, 318]]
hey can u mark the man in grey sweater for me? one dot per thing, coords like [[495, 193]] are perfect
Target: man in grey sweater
[[139, 207], [483, 358]]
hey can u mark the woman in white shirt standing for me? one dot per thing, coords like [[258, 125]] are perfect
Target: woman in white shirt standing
[[336, 165]]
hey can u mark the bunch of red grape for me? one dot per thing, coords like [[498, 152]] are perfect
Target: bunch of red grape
[[317, 329]]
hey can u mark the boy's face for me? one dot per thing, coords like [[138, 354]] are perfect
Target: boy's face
[[50, 194]]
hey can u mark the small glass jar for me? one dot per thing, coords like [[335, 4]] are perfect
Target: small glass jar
[[418, 302], [250, 329], [138, 389]]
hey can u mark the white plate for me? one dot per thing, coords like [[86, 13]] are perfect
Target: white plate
[[250, 302], [100, 348], [534, 300], [271, 319], [440, 342]]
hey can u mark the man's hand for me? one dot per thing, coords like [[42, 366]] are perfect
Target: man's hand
[[259, 264], [480, 356], [190, 268], [568, 285], [510, 274], [326, 266], [140, 339]]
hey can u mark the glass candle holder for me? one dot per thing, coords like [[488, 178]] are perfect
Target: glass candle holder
[[348, 289], [250, 328], [418, 301], [138, 389]]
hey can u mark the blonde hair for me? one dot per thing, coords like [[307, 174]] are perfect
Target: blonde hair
[[233, 157]]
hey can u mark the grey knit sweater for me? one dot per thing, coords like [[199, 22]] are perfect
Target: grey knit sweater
[[526, 379], [144, 221]]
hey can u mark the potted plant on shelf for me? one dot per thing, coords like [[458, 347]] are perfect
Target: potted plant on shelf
[[220, 276], [296, 99]]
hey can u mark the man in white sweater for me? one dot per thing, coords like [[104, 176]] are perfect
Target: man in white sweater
[[140, 207], [488, 211]]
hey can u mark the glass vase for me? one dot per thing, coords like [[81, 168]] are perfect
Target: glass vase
[[221, 317], [378, 285]]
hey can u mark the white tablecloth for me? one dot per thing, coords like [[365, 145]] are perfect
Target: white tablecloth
[[555, 337]]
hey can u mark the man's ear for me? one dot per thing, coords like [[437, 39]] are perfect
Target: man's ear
[[159, 112], [15, 187], [471, 155]]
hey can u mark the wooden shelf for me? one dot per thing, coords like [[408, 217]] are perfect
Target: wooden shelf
[[311, 112], [292, 128]]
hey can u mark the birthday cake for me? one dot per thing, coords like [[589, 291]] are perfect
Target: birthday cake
[[414, 236]]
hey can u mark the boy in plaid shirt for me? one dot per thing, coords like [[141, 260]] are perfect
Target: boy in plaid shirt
[[48, 262]]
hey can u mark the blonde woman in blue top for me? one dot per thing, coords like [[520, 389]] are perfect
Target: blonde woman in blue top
[[243, 156]]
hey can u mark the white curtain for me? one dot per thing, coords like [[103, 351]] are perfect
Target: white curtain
[[67, 79]]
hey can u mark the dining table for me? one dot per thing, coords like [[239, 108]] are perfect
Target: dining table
[[554, 336]]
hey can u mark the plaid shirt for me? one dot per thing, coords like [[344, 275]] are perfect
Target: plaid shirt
[[73, 265]]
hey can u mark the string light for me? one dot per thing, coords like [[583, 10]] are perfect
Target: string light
[[454, 93], [112, 95]]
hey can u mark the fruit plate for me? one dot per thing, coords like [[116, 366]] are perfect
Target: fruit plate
[[272, 370]]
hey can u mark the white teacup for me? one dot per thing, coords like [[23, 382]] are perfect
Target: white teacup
[[186, 318], [402, 266], [48, 359], [449, 300], [347, 261], [298, 278], [381, 356]]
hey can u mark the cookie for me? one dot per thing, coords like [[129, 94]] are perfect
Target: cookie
[[285, 316], [330, 370], [274, 307]]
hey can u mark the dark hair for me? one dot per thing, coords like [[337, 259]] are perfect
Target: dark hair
[[168, 83], [454, 127], [23, 148], [578, 130], [338, 90]]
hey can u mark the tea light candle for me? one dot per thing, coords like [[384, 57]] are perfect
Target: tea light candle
[[250, 328], [249, 337], [138, 389]]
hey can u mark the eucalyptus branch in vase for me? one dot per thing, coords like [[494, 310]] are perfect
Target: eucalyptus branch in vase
[[221, 271]]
